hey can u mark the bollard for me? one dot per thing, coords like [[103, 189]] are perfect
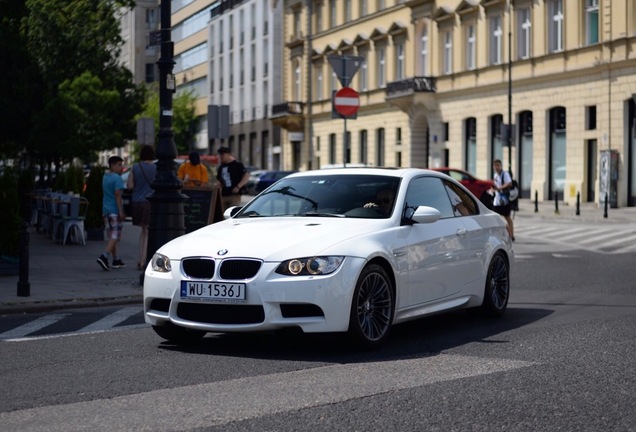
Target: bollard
[[605, 207], [556, 202], [578, 203], [24, 287], [536, 201]]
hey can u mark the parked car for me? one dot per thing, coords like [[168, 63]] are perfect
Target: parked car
[[312, 252], [477, 187], [268, 178], [250, 187]]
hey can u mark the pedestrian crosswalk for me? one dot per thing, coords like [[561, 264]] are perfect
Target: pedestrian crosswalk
[[606, 239], [28, 327]]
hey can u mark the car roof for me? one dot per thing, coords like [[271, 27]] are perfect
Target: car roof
[[383, 171]]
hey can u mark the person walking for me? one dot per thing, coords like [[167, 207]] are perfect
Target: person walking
[[501, 203], [113, 212], [139, 181], [192, 172], [232, 176]]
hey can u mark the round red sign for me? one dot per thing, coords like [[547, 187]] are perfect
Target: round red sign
[[346, 101]]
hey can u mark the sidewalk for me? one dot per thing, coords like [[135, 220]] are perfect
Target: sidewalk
[[69, 276]]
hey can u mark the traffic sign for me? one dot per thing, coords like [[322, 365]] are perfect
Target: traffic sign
[[346, 102], [345, 67]]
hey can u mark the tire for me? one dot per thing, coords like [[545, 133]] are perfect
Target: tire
[[497, 290], [178, 335], [372, 308]]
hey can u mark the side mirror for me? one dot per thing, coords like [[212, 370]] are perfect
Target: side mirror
[[231, 211], [425, 214]]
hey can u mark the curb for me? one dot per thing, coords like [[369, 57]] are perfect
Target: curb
[[53, 305]]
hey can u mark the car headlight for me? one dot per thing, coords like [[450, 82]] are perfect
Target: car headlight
[[161, 263], [310, 266]]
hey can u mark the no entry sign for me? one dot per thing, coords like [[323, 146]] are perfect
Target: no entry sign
[[346, 101]]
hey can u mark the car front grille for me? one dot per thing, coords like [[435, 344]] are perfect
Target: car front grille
[[198, 268], [221, 314], [235, 269], [239, 268]]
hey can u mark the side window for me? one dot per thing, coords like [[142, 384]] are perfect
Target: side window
[[429, 191], [462, 204]]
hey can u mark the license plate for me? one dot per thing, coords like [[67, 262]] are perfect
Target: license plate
[[213, 290]]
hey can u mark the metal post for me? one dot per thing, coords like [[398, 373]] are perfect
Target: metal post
[[536, 201], [166, 201], [509, 88], [24, 287], [556, 201], [345, 144], [578, 203], [605, 207]]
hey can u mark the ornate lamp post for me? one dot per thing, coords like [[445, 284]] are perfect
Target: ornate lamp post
[[166, 201]]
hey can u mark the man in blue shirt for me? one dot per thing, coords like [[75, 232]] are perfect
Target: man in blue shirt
[[113, 212]]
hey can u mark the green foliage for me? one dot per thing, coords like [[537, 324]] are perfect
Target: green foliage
[[70, 180], [183, 117], [94, 195], [10, 220], [65, 93]]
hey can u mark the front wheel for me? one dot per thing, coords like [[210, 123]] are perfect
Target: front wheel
[[178, 335], [497, 288], [372, 307]]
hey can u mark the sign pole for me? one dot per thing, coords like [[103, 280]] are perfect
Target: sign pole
[[345, 144]]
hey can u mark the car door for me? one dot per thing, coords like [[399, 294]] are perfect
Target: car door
[[436, 251]]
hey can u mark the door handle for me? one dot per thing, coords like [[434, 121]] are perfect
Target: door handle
[[461, 231]]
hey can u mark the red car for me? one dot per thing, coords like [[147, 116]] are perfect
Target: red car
[[478, 187]]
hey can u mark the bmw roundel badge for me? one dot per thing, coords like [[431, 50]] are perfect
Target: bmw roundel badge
[[222, 252]]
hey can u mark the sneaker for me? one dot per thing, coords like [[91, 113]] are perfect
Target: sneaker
[[118, 264], [103, 261]]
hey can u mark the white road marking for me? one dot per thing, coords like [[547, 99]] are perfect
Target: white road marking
[[111, 320], [32, 326], [222, 402]]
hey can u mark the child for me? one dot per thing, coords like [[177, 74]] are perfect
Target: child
[[113, 211]]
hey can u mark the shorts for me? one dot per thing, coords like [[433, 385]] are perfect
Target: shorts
[[140, 213], [113, 226], [503, 210]]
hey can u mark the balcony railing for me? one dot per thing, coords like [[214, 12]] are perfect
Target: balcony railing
[[287, 108], [410, 85]]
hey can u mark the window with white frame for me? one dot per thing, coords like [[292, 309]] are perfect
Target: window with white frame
[[297, 25], [447, 52], [495, 40], [265, 57], [399, 61], [424, 51], [471, 47], [591, 22], [524, 27], [363, 73], [555, 25], [297, 88], [333, 13], [381, 67], [347, 10], [319, 84], [319, 22], [364, 8]]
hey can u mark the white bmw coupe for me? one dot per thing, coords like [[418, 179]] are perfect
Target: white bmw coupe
[[352, 250]]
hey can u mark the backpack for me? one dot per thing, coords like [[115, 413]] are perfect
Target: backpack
[[513, 193]]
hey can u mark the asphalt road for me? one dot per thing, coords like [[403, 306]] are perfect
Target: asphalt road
[[561, 359]]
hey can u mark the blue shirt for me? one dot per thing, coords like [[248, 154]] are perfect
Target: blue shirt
[[111, 183]]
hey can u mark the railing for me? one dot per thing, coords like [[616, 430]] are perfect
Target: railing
[[287, 108], [410, 86]]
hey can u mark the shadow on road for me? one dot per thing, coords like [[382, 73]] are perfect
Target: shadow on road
[[424, 337]]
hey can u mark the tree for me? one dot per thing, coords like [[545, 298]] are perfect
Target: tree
[[183, 117], [70, 50]]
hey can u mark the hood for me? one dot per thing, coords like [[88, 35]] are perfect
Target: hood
[[271, 239]]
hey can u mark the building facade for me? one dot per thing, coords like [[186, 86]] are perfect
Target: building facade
[[546, 86], [245, 53]]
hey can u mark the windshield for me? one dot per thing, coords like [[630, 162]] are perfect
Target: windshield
[[358, 196]]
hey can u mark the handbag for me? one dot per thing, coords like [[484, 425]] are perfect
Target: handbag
[[513, 192]]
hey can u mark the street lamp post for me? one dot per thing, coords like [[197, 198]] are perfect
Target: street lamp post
[[166, 201], [510, 138]]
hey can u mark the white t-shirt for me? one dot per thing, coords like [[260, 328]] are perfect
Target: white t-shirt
[[501, 197]]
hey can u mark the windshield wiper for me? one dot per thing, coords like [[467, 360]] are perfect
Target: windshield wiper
[[317, 214]]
